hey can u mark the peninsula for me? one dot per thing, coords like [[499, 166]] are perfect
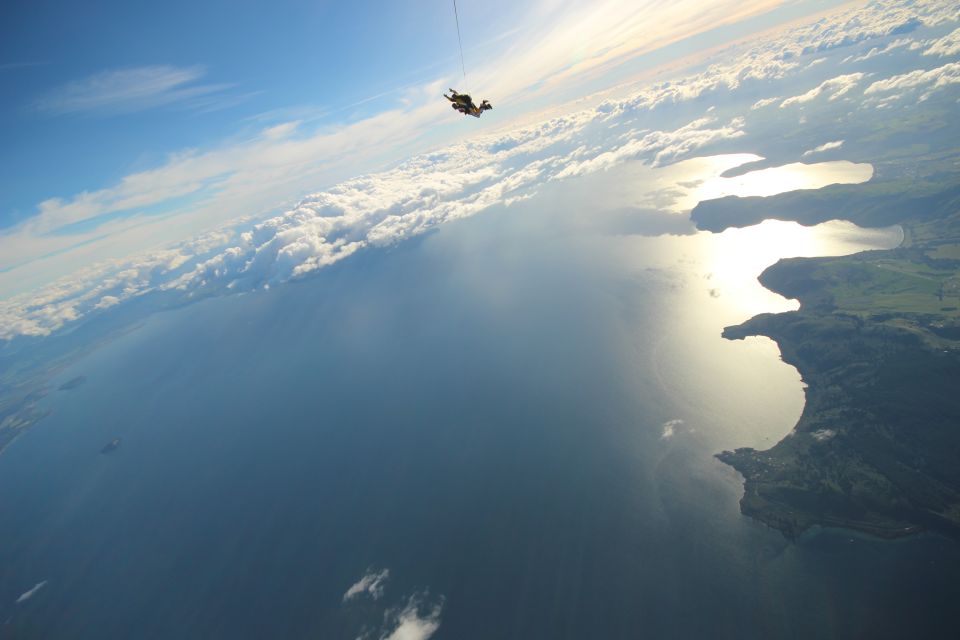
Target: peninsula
[[877, 341]]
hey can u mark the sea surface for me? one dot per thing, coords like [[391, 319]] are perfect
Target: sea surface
[[514, 415]]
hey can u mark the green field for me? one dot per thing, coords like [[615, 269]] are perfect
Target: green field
[[893, 286]]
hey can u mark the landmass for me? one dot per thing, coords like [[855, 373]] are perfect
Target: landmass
[[28, 366], [877, 341], [18, 413]]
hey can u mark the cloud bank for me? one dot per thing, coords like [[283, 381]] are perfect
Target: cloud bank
[[377, 210], [655, 124]]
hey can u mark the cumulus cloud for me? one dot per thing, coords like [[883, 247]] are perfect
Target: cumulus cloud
[[662, 147], [100, 286], [826, 146], [375, 210], [882, 50], [832, 88], [372, 584], [430, 189], [255, 174], [948, 45], [414, 621], [929, 80], [26, 595]]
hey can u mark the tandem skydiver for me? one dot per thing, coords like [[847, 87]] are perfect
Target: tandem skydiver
[[463, 103]]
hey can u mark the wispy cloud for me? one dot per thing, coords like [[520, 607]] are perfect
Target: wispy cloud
[[372, 583], [130, 90], [11, 66], [417, 618], [26, 595], [826, 146]]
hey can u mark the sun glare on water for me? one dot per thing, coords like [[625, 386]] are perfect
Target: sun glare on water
[[739, 256], [763, 182]]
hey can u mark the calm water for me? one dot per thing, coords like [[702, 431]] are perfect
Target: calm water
[[515, 415]]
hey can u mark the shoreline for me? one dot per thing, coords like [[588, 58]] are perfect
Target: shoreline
[[876, 344]]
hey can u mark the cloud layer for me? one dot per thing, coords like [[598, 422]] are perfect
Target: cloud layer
[[656, 124]]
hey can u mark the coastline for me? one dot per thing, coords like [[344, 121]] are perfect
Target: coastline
[[877, 344]]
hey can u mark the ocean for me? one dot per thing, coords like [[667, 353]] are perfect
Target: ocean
[[515, 416]]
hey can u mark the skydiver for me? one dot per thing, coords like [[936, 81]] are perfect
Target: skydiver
[[459, 100], [463, 103]]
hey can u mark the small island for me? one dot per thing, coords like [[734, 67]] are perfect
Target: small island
[[113, 445]]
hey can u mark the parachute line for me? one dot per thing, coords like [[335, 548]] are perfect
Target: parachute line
[[460, 42]]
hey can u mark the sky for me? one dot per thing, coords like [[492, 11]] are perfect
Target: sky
[[127, 125], [237, 146]]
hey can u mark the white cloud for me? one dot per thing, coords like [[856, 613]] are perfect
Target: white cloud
[[619, 30], [669, 428], [129, 90], [106, 302], [820, 435], [102, 285], [26, 595], [826, 146], [373, 210], [415, 621], [832, 88], [882, 50], [948, 45], [931, 80], [372, 584], [255, 175], [260, 172], [764, 102], [662, 146]]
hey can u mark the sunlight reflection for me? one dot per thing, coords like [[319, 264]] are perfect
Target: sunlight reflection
[[708, 183], [739, 256], [789, 177]]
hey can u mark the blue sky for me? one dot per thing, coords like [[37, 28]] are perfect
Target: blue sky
[[236, 60], [130, 125]]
